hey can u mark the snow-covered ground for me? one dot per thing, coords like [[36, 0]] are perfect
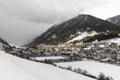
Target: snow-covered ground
[[95, 68], [15, 68], [82, 35], [114, 40], [48, 58]]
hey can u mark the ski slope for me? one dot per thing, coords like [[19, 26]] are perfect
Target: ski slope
[[15, 68], [95, 68]]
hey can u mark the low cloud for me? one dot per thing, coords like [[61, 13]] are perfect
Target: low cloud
[[23, 20]]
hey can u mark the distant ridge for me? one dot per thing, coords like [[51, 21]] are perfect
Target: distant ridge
[[115, 20]]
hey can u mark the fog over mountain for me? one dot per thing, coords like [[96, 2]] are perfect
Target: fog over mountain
[[23, 20]]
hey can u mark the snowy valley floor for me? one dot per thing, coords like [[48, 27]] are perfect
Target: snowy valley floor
[[15, 68], [95, 68]]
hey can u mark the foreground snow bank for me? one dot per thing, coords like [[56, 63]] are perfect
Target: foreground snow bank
[[95, 68], [14, 68]]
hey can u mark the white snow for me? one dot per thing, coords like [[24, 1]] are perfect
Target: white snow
[[88, 48], [102, 46], [106, 59], [54, 36], [82, 35], [95, 68], [114, 40], [48, 58], [15, 68]]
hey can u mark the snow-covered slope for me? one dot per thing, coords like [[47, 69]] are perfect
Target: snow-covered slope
[[82, 35], [114, 40], [15, 68], [95, 68]]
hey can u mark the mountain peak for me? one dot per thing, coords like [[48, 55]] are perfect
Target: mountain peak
[[83, 16], [82, 23]]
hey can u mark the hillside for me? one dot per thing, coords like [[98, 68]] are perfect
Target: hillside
[[3, 42], [95, 68], [15, 68], [66, 31], [115, 20], [102, 36]]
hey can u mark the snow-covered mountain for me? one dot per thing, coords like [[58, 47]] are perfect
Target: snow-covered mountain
[[15, 68], [68, 30], [115, 20]]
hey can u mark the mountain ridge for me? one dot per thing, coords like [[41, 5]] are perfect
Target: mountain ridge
[[4, 42], [61, 33]]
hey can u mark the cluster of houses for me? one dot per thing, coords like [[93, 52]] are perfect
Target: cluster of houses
[[56, 49], [101, 51], [16, 51]]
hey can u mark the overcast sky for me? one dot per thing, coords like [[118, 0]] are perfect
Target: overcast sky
[[23, 20]]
